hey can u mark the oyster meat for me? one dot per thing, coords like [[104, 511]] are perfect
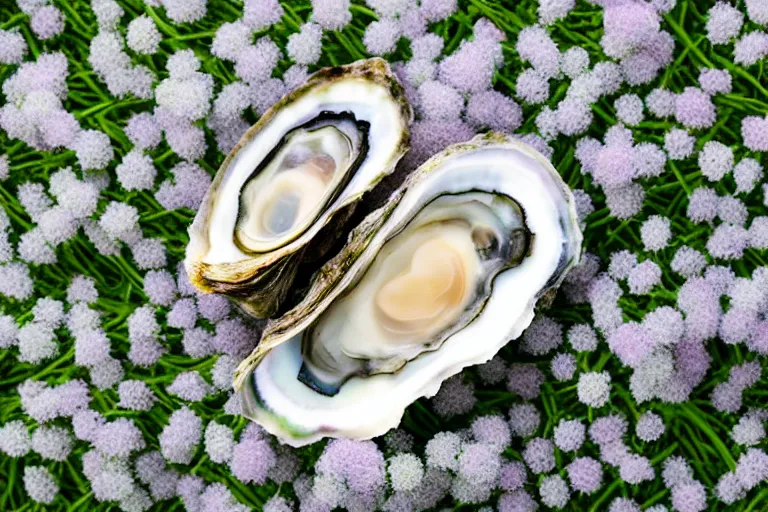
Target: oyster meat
[[439, 278], [286, 190]]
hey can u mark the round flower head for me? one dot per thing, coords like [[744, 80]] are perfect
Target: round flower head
[[694, 109], [454, 398], [624, 505], [629, 109], [594, 388], [655, 233], [752, 47], [479, 463], [492, 430], [331, 14], [494, 110], [554, 491], [40, 484], [442, 451], [542, 336], [644, 277], [715, 160], [715, 81], [405, 471], [539, 455], [678, 144], [13, 47], [569, 435], [575, 61], [512, 476], [305, 46], [660, 102], [532, 87], [563, 366], [689, 497], [724, 23], [582, 338], [747, 173], [585, 474], [754, 132], [649, 427], [524, 419], [381, 36], [143, 36], [749, 431], [625, 202], [728, 242], [525, 380]]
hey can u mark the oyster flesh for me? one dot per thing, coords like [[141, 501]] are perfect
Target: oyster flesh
[[287, 188], [440, 278]]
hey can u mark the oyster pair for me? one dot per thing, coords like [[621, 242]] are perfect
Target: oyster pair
[[440, 277]]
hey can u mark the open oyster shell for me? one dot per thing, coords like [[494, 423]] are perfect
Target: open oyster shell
[[440, 278], [286, 190]]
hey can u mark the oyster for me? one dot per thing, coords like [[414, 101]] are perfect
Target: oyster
[[286, 190], [439, 278]]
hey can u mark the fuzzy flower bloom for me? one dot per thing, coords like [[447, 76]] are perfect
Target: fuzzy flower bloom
[[676, 471], [494, 110], [93, 149], [524, 419], [752, 47], [442, 451], [724, 23], [554, 492], [749, 431], [135, 395], [747, 173], [492, 430], [539, 455], [569, 435], [629, 109], [179, 439], [582, 338], [655, 233], [47, 22], [492, 372], [594, 388], [678, 144], [13, 47], [728, 242], [715, 81], [305, 46], [715, 160], [701, 205], [575, 61], [649, 427], [535, 46], [660, 102], [331, 14], [381, 36], [143, 130], [626, 201], [454, 398], [14, 439], [689, 497], [754, 132], [143, 36], [585, 474], [694, 109], [40, 484], [563, 367], [525, 380], [52, 443], [405, 472], [542, 336], [644, 277], [219, 442], [189, 386], [752, 468], [532, 87], [119, 438]]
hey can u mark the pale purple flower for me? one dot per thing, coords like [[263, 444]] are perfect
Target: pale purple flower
[[331, 14], [454, 398], [13, 47], [532, 87], [539, 455], [728, 242], [40, 484], [694, 109], [260, 14], [625, 202], [492, 430], [119, 438], [715, 160], [381, 36], [563, 366], [678, 144], [724, 23], [754, 132], [524, 419], [255, 63], [660, 102], [494, 110], [715, 81], [442, 451], [585, 474], [644, 277], [142, 35], [525, 380], [747, 173], [542, 336], [179, 439], [305, 46], [190, 386], [752, 47], [655, 232], [593, 388], [629, 109]]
